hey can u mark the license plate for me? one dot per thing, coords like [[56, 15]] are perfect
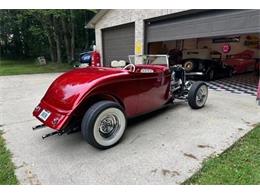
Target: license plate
[[44, 115]]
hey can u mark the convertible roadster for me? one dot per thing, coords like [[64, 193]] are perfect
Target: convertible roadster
[[99, 100]]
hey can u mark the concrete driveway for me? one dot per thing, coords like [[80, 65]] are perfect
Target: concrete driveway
[[165, 147]]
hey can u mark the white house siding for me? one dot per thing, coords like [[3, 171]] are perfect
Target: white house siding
[[118, 17]]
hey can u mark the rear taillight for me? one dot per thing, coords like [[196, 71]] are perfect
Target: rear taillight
[[55, 121], [37, 109]]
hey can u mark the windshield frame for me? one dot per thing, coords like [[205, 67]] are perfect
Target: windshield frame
[[166, 56]]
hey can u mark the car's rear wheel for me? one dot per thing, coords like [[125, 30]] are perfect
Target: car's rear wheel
[[189, 65], [198, 95], [103, 124]]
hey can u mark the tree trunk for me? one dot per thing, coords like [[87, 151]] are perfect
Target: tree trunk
[[51, 48], [46, 24], [86, 31], [5, 46], [57, 39], [58, 51], [66, 39], [72, 39], [51, 44]]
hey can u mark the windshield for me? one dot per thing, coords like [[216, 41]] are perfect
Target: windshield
[[149, 59]]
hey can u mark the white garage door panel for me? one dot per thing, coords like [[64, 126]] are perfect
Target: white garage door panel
[[212, 23], [118, 43]]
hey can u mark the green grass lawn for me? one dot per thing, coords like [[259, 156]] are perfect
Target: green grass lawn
[[240, 164], [16, 67], [7, 176]]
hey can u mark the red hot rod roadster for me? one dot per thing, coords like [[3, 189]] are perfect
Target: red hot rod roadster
[[99, 100]]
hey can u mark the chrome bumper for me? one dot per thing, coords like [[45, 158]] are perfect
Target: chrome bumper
[[195, 74]]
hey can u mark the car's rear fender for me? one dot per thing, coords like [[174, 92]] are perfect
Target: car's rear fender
[[85, 104]]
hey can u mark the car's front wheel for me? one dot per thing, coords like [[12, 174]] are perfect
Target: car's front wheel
[[103, 124], [198, 95]]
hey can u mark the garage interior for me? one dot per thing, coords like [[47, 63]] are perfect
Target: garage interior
[[231, 34], [229, 37]]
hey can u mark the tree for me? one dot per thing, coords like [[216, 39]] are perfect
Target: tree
[[72, 39], [66, 35], [56, 34], [45, 19], [57, 37]]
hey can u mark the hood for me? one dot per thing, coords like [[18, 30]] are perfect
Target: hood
[[69, 88]]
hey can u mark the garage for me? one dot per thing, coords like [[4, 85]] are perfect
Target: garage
[[118, 43], [224, 43], [204, 24], [227, 40]]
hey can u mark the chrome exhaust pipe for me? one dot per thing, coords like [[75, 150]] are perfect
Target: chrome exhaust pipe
[[51, 134], [37, 127]]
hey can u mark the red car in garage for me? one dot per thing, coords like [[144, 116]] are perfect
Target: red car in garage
[[242, 62]]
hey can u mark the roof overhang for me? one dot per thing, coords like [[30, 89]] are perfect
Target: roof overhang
[[96, 18], [100, 13]]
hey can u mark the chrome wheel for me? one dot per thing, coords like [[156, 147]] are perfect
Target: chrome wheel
[[201, 95], [109, 126], [198, 95], [188, 66]]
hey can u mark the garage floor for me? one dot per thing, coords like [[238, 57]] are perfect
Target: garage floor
[[165, 147], [238, 84]]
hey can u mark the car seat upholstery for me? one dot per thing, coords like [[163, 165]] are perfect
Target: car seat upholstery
[[118, 64], [149, 69]]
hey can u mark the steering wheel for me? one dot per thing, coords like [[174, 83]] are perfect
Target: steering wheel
[[130, 67]]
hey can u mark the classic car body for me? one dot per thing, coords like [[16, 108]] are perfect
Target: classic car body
[[242, 62], [205, 64], [71, 89], [80, 97]]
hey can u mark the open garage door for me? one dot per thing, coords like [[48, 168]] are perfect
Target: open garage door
[[118, 43], [204, 24]]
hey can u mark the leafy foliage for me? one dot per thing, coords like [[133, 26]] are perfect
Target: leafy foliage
[[32, 33]]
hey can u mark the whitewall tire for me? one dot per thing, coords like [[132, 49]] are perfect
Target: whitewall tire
[[103, 124]]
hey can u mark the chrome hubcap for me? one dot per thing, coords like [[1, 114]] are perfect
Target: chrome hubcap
[[109, 125]]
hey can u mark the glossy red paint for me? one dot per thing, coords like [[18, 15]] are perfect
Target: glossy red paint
[[241, 65], [242, 62], [95, 59], [138, 92]]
